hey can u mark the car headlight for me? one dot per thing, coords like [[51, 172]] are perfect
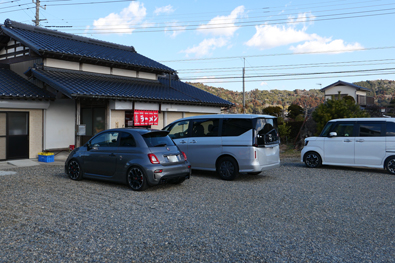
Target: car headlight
[[306, 142]]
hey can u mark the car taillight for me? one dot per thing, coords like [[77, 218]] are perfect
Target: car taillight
[[185, 156], [153, 158]]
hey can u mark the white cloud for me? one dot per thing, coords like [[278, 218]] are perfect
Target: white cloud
[[123, 22], [173, 29], [267, 36], [263, 83], [302, 18], [206, 46], [326, 45], [164, 10], [223, 25]]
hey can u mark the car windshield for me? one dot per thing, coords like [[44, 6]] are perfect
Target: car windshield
[[157, 139]]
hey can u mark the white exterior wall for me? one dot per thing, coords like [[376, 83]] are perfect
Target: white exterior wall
[[344, 90], [124, 72], [145, 75], [56, 63], [59, 126], [95, 69]]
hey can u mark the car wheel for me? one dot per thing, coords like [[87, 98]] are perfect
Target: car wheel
[[227, 168], [137, 179], [179, 180], [312, 160], [390, 165], [74, 170]]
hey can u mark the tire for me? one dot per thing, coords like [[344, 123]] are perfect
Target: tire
[[74, 170], [312, 160], [390, 165], [136, 179], [179, 180], [227, 168]]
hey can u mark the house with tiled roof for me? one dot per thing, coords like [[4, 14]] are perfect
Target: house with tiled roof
[[59, 89], [342, 89]]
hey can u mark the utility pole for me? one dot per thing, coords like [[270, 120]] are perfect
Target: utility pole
[[244, 99], [37, 20]]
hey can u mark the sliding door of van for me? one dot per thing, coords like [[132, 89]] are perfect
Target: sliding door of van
[[370, 143], [340, 149], [204, 143]]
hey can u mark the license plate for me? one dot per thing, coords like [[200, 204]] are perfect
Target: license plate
[[172, 158]]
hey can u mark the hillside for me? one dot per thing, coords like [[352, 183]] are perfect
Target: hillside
[[257, 100]]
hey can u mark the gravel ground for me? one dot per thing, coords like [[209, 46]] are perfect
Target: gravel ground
[[290, 214]]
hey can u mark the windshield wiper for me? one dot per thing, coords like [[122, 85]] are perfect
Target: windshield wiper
[[161, 145]]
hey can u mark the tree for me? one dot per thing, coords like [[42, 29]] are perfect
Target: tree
[[335, 109], [273, 110], [294, 110]]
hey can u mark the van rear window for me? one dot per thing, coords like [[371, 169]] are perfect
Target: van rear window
[[236, 127], [266, 130]]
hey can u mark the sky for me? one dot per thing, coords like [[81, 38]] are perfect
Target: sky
[[284, 45]]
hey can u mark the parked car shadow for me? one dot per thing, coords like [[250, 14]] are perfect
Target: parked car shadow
[[242, 176]]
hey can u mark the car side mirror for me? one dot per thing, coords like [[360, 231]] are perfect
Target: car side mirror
[[332, 134]]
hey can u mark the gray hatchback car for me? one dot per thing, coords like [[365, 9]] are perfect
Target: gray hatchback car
[[138, 157]]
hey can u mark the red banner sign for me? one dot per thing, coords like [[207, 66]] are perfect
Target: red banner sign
[[145, 117]]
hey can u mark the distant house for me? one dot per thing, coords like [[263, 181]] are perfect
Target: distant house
[[59, 89], [343, 89]]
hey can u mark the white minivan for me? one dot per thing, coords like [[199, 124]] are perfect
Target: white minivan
[[364, 142], [228, 143]]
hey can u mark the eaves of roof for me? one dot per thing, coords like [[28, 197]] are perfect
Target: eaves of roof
[[76, 84], [343, 83], [13, 86]]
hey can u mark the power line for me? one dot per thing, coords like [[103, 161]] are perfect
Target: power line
[[295, 79], [290, 66], [297, 74], [279, 54], [179, 27]]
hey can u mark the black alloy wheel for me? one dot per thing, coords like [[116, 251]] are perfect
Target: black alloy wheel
[[390, 165], [136, 179], [74, 170], [227, 169], [312, 160]]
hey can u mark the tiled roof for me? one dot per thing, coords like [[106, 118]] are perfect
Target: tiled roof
[[84, 84], [52, 43], [343, 83], [14, 86]]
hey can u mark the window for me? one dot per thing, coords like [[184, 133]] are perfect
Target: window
[[370, 129], [390, 129], [127, 140], [344, 129], [205, 128], [107, 139], [179, 130], [157, 139], [236, 127], [327, 128]]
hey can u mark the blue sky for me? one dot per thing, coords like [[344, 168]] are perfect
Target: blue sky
[[284, 45]]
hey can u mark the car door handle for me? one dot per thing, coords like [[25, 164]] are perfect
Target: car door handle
[[112, 154], [347, 140], [183, 142], [193, 141], [361, 140]]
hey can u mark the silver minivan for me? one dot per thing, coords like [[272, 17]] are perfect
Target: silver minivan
[[228, 143]]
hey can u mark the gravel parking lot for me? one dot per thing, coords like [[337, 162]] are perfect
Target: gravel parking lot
[[290, 214]]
